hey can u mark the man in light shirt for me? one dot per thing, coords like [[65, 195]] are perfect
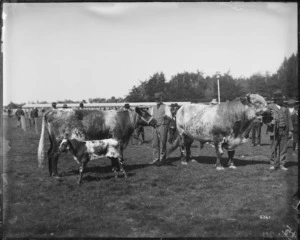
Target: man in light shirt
[[162, 114]]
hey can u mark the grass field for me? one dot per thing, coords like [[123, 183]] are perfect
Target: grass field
[[168, 201]]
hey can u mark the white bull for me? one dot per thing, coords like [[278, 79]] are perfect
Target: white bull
[[226, 125]]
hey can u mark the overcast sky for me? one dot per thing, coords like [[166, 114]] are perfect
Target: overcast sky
[[57, 51]]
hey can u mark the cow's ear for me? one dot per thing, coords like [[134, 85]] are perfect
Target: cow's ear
[[138, 111], [243, 100]]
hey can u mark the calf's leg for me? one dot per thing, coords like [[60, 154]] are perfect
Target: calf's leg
[[230, 159], [219, 155], [121, 168], [81, 169]]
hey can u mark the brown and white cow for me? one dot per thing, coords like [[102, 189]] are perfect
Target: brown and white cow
[[226, 125], [86, 125]]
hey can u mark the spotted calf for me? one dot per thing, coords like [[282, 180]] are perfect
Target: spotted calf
[[84, 151]]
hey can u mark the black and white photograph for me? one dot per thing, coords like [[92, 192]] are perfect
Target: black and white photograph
[[149, 120]]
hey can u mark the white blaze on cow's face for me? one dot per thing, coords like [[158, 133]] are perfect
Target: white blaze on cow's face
[[64, 145]]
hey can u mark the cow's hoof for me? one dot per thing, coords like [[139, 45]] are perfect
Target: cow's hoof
[[232, 167], [219, 168], [183, 162], [193, 160]]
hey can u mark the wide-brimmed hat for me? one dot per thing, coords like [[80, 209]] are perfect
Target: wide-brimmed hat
[[277, 95], [173, 105], [291, 102], [214, 101], [127, 105], [158, 95]]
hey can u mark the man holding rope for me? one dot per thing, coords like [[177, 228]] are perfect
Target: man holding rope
[[162, 114]]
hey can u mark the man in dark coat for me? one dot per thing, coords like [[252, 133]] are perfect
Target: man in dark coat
[[54, 105], [81, 106], [294, 115], [162, 114], [281, 128], [18, 114], [34, 115]]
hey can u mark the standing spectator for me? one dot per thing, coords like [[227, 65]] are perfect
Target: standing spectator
[[256, 131], [81, 105], [140, 131], [162, 114], [294, 115], [34, 115], [53, 105], [65, 106], [126, 107], [18, 114], [31, 120], [281, 128], [9, 112]]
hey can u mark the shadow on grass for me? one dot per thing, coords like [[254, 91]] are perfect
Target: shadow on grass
[[291, 164], [224, 161], [105, 170], [265, 144], [89, 178]]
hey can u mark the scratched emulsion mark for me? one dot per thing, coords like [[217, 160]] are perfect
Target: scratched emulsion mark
[[4, 150]]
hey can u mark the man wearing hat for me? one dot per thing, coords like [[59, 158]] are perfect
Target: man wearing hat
[[281, 128], [54, 105], [33, 115], [81, 105], [162, 114], [126, 107], [294, 116], [18, 114]]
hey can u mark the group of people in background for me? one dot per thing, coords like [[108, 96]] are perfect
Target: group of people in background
[[32, 115]]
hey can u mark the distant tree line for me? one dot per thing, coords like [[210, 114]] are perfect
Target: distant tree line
[[189, 86], [194, 87]]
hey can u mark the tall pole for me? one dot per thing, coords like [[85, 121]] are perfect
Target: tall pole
[[218, 79]]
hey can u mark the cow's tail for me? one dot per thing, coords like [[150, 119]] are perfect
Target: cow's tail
[[174, 145], [41, 154]]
